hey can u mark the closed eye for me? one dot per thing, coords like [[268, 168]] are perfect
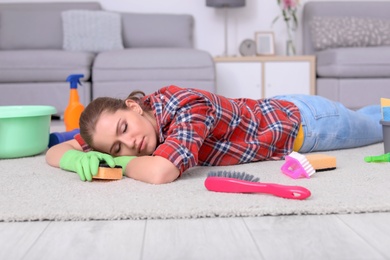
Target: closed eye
[[124, 129]]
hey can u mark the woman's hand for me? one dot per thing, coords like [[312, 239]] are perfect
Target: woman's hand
[[85, 164]]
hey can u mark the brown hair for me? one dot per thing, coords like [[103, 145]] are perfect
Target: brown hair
[[92, 112]]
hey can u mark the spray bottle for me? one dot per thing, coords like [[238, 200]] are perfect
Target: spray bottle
[[74, 108]]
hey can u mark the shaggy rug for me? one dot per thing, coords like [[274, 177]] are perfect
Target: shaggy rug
[[32, 190]]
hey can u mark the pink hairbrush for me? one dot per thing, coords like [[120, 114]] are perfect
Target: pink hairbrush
[[235, 182]]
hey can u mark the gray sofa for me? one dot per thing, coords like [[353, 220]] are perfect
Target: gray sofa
[[351, 45], [157, 51]]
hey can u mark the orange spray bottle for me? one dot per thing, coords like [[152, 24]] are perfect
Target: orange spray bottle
[[74, 108]]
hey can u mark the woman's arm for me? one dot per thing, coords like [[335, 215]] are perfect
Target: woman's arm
[[55, 153], [152, 169]]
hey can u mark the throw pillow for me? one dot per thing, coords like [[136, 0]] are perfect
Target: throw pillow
[[336, 32], [93, 31]]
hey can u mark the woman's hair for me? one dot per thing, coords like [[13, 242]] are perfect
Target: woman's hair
[[92, 112]]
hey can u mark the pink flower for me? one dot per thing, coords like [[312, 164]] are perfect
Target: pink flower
[[288, 13], [289, 4]]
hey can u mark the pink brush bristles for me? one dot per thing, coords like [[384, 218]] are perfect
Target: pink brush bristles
[[297, 166]]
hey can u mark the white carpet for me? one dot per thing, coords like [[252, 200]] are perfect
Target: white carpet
[[32, 190]]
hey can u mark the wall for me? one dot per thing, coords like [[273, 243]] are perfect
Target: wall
[[243, 22]]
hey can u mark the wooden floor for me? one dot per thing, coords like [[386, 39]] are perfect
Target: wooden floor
[[355, 236]]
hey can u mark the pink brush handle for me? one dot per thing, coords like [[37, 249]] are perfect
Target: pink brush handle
[[222, 184]]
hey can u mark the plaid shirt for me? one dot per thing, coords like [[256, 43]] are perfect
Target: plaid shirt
[[200, 128]]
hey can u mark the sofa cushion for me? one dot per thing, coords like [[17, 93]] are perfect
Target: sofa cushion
[[354, 62], [95, 31], [23, 30], [35, 25], [354, 93], [151, 63], [43, 65], [157, 30], [335, 32]]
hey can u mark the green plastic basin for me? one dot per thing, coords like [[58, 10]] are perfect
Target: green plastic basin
[[24, 130]]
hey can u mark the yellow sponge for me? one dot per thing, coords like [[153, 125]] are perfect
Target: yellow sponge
[[105, 172], [322, 162]]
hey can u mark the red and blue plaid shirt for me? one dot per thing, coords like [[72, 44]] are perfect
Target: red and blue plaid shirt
[[200, 128], [197, 127]]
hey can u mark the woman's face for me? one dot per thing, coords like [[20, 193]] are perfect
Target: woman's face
[[130, 132]]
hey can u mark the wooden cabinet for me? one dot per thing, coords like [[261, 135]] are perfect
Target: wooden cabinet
[[265, 76]]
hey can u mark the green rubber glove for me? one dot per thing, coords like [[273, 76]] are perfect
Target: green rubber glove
[[85, 164], [123, 161]]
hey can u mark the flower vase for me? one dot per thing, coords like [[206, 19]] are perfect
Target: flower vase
[[290, 48], [289, 15], [290, 44]]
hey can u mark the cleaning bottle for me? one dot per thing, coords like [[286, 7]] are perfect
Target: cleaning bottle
[[74, 108]]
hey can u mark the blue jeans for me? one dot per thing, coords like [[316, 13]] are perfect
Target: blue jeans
[[328, 125]]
